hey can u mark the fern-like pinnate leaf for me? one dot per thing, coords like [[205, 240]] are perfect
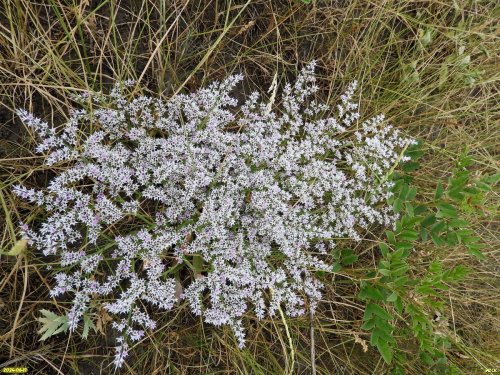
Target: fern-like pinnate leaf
[[52, 324]]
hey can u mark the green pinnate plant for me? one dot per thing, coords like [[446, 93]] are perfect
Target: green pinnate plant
[[402, 303]]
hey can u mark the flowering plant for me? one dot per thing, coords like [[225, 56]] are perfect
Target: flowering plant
[[232, 208]]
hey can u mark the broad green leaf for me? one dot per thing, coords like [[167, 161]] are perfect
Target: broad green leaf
[[420, 209], [371, 292], [384, 249], [483, 186], [349, 259], [374, 309], [456, 274], [412, 193], [397, 205], [451, 239], [399, 270], [336, 267], [409, 209], [438, 227], [385, 350], [368, 325], [428, 220], [424, 234], [447, 210], [390, 236], [456, 194], [436, 239], [403, 245], [408, 235], [398, 304], [491, 180]]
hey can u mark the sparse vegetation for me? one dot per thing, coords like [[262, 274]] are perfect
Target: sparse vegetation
[[419, 299]]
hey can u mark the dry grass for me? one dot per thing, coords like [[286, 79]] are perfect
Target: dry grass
[[430, 66]]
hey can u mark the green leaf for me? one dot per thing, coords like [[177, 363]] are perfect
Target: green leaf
[[385, 350], [456, 274], [409, 209], [426, 37], [336, 267], [424, 234], [451, 238], [436, 239], [398, 304], [409, 235], [476, 252], [399, 270], [404, 191], [458, 223], [384, 271], [371, 292], [393, 297], [439, 190], [390, 236], [438, 227], [397, 205], [87, 324], [436, 267], [428, 220], [52, 324], [491, 180], [401, 281], [368, 325], [410, 166], [384, 249], [456, 194], [483, 186], [420, 209], [350, 259], [374, 309], [415, 151], [412, 193], [18, 248], [447, 210]]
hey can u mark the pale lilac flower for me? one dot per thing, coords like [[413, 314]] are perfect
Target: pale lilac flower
[[199, 175]]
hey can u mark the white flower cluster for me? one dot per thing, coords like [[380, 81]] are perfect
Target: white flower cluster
[[237, 204]]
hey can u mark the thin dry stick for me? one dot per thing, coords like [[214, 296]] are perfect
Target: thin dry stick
[[313, 347], [16, 319], [291, 365]]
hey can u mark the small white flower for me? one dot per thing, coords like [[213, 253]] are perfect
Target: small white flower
[[192, 175]]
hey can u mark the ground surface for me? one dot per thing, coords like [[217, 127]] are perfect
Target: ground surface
[[430, 66]]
